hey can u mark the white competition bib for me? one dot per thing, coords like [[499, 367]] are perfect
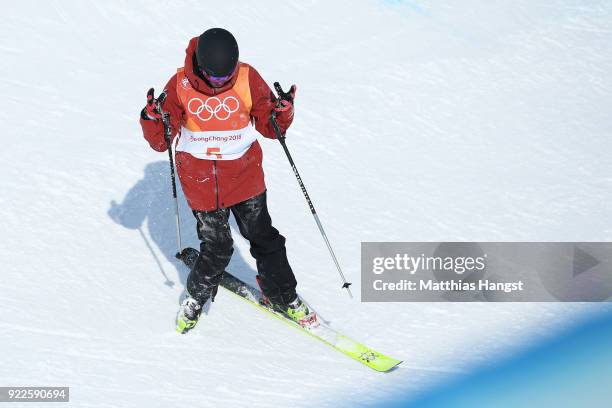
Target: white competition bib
[[217, 145]]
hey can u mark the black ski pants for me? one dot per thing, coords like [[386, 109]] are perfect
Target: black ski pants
[[275, 276]]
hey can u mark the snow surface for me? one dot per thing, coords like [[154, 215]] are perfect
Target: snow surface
[[415, 121]]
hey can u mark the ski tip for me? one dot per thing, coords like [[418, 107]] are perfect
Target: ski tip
[[386, 368], [382, 364], [395, 366]]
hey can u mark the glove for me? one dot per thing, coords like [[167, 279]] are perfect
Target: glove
[[150, 111], [284, 102]]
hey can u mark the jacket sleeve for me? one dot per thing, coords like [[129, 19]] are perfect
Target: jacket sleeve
[[263, 103], [153, 130]]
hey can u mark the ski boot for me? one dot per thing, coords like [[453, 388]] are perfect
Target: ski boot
[[296, 310], [299, 312], [188, 315]]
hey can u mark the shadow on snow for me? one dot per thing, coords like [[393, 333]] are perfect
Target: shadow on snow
[[150, 202]]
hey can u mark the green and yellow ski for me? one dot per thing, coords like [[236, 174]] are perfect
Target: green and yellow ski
[[322, 332]]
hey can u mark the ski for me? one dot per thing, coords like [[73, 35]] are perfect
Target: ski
[[323, 332]]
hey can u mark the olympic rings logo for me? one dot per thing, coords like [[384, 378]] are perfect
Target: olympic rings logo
[[213, 108]]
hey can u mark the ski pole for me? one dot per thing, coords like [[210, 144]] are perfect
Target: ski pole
[[168, 137], [281, 139]]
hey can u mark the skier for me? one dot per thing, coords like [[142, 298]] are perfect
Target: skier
[[217, 104]]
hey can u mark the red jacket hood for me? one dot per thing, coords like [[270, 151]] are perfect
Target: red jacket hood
[[196, 81]]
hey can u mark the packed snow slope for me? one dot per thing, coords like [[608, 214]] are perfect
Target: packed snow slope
[[415, 121]]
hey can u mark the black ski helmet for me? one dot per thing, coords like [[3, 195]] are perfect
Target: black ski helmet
[[217, 52]]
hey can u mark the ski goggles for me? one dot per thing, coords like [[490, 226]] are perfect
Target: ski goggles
[[216, 80]]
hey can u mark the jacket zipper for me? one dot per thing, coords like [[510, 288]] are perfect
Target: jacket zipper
[[216, 183]]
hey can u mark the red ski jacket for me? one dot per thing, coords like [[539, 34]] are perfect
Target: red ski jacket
[[211, 184]]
